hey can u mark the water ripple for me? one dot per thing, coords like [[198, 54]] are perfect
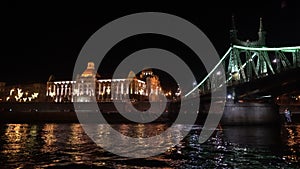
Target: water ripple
[[67, 146]]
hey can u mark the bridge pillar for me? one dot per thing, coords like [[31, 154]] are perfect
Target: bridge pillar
[[250, 114]]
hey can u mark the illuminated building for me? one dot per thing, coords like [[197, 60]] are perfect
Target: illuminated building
[[84, 87], [34, 92], [89, 87], [153, 87], [59, 91]]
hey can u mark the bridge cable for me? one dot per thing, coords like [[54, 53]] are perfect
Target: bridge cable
[[207, 76]]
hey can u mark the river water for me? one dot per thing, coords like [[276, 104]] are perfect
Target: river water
[[66, 145]]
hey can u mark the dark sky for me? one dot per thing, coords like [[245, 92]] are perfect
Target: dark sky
[[43, 39]]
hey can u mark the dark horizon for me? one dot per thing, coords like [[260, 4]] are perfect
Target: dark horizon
[[41, 41]]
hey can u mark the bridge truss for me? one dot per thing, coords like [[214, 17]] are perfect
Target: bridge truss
[[243, 64]]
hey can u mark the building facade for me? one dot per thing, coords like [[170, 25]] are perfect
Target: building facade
[[89, 87]]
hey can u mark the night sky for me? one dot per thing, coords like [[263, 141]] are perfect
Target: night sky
[[43, 39]]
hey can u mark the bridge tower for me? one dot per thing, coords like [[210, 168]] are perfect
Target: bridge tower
[[261, 42], [237, 70], [245, 73]]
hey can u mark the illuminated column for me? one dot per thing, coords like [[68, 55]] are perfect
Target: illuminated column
[[99, 89], [121, 90], [127, 87], [109, 92], [48, 89], [103, 91], [122, 87], [117, 88], [57, 92], [92, 90], [54, 89], [133, 86], [89, 90], [61, 92], [77, 89], [80, 90], [86, 89], [66, 90], [136, 87], [112, 92], [70, 90]]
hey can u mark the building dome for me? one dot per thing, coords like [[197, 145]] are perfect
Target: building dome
[[131, 75], [90, 70]]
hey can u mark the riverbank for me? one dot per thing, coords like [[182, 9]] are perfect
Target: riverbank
[[234, 114]]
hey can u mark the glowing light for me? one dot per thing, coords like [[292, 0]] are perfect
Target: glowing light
[[108, 90], [275, 60], [229, 96], [285, 49], [34, 95], [52, 94], [11, 91]]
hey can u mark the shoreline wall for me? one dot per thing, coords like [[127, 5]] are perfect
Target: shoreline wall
[[234, 113]]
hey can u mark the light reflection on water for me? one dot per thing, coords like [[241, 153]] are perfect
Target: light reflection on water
[[67, 145], [291, 139]]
